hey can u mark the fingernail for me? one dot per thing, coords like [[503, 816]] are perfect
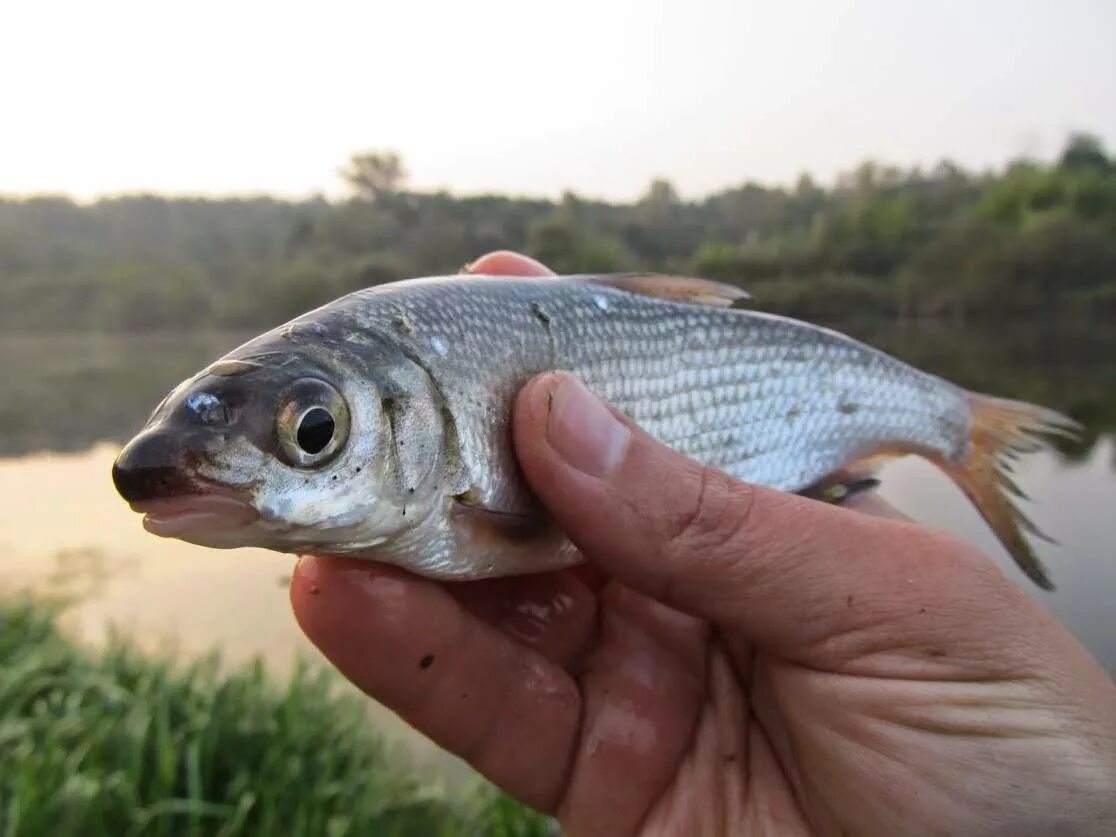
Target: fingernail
[[583, 431]]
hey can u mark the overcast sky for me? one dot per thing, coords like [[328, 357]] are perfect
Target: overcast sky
[[527, 97]]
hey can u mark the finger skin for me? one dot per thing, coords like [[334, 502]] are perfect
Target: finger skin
[[505, 708], [507, 263], [553, 613], [643, 689]]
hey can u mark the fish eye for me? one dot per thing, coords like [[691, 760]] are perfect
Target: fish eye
[[312, 423]]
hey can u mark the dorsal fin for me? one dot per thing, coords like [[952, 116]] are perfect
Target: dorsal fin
[[677, 288]]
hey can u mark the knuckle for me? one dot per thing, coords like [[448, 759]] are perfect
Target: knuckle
[[714, 519]]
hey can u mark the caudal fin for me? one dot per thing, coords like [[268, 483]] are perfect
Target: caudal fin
[[1001, 430]]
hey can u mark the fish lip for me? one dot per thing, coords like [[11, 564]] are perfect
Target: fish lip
[[195, 513]]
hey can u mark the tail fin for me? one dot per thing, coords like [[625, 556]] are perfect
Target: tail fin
[[1001, 430]]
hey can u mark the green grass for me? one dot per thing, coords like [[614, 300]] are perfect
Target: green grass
[[118, 743]]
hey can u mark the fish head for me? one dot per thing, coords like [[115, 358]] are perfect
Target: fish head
[[275, 445]]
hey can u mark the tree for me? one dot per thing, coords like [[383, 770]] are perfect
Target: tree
[[1085, 151], [805, 187], [373, 174], [660, 195]]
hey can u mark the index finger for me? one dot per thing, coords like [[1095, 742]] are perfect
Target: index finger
[[508, 263]]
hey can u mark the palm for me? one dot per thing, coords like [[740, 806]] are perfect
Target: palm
[[684, 729], [722, 776]]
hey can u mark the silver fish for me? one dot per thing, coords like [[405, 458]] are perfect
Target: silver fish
[[377, 426]]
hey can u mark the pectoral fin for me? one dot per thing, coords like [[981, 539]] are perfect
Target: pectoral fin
[[497, 543], [511, 526]]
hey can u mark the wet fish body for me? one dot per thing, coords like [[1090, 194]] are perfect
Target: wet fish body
[[766, 399], [427, 371]]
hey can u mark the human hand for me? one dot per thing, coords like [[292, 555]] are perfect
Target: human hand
[[732, 659]]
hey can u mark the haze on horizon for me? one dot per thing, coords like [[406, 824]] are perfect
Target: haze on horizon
[[501, 96]]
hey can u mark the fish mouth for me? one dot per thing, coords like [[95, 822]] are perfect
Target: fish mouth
[[194, 514]]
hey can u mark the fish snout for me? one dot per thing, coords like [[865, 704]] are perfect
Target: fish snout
[[149, 468]]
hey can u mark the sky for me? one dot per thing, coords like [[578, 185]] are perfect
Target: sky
[[523, 97]]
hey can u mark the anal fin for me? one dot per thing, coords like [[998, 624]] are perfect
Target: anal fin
[[839, 488]]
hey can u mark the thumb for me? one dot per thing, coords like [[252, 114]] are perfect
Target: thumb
[[789, 572]]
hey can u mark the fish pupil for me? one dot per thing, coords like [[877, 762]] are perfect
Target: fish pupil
[[315, 430]]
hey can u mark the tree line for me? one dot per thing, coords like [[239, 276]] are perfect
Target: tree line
[[1032, 239]]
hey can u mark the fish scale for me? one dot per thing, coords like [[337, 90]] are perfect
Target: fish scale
[[752, 393]]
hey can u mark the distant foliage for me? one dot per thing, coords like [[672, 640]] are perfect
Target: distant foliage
[[120, 744], [373, 175], [1034, 239]]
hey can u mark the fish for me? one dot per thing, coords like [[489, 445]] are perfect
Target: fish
[[378, 425]]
